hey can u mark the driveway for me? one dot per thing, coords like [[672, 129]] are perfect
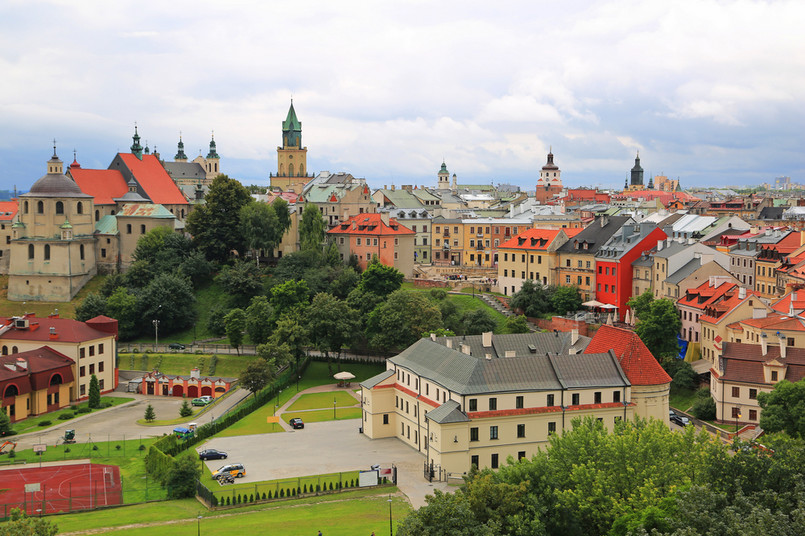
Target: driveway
[[321, 448]]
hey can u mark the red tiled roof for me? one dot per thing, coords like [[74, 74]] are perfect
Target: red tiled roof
[[153, 178], [39, 362], [67, 330], [744, 362], [533, 239], [102, 184], [776, 321], [713, 294], [783, 305], [635, 359], [8, 209], [370, 224]]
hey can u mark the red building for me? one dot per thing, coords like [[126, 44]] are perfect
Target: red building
[[370, 235], [35, 382], [613, 263]]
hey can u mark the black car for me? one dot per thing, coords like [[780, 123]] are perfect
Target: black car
[[680, 420], [212, 454], [296, 422], [176, 346]]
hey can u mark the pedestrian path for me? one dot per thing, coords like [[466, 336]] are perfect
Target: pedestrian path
[[329, 388]]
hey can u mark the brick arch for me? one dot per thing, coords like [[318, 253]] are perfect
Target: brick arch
[[192, 391], [178, 390], [11, 390], [56, 379], [206, 390]]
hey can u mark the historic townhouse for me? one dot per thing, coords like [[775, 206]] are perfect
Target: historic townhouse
[[448, 241], [671, 256], [376, 235], [642, 274], [576, 257], [769, 258], [695, 302], [530, 255], [720, 320], [479, 399]]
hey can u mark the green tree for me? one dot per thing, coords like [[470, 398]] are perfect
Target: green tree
[[216, 323], [215, 225], [94, 399], [241, 281], [196, 268], [5, 423], [289, 295], [401, 319], [185, 410], [684, 376], [345, 281], [784, 408], [566, 300], [259, 226], [276, 355], [235, 322], [478, 321], [704, 408], [445, 514], [259, 319], [20, 524], [641, 304], [93, 305], [658, 327], [331, 323], [311, 228], [283, 213], [122, 306], [182, 477], [517, 324], [291, 332], [380, 279], [532, 299], [256, 375], [110, 284], [168, 298], [150, 415]]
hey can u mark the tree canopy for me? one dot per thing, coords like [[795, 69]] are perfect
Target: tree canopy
[[784, 409], [215, 225], [256, 375], [311, 228], [401, 320], [532, 299], [331, 323], [658, 327]]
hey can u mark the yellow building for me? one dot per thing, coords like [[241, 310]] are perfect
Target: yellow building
[[719, 321], [292, 171], [530, 255], [448, 241]]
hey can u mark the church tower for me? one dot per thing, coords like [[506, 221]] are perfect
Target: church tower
[[136, 148], [549, 183], [180, 154], [444, 178], [212, 161], [291, 156], [637, 174]]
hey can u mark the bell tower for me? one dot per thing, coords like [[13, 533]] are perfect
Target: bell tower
[[292, 155]]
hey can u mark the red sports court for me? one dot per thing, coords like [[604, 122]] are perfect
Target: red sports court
[[59, 488]]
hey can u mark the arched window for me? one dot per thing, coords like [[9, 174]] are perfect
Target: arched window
[[5, 350], [81, 251], [11, 390], [59, 207], [26, 207], [290, 170], [40, 207], [301, 170], [30, 251], [14, 350], [79, 208], [182, 213], [56, 379], [113, 213], [142, 228], [47, 252], [97, 215]]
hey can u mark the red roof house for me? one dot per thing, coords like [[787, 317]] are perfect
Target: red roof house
[[635, 358]]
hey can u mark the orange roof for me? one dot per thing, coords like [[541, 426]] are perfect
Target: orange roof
[[777, 321], [102, 184], [635, 359], [533, 239], [370, 224], [783, 305], [8, 209], [711, 294], [153, 178]]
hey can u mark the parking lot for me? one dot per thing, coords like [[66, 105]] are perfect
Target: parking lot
[[322, 448]]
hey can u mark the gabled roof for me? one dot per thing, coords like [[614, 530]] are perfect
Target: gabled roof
[[8, 209], [153, 179], [532, 239], [185, 170], [106, 225], [102, 184], [635, 359], [784, 304], [68, 330], [448, 412], [39, 362], [777, 321], [707, 294], [370, 224], [744, 362]]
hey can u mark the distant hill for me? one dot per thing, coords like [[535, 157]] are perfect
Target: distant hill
[[6, 195]]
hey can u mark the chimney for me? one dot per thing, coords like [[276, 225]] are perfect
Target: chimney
[[574, 336], [691, 241], [194, 374], [449, 343], [486, 339], [465, 348], [660, 244], [53, 334], [741, 293], [668, 241], [782, 345], [433, 337], [764, 344], [384, 217]]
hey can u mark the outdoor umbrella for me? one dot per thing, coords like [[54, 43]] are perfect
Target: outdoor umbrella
[[343, 376]]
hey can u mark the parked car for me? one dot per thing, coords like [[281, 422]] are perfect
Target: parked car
[[680, 420], [176, 346], [202, 400], [234, 469], [296, 422], [212, 454]]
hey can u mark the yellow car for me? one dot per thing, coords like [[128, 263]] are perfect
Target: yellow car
[[234, 469]]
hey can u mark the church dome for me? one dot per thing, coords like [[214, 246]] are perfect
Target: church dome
[[55, 185]]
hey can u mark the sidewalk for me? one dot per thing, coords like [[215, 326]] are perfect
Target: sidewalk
[[318, 389]]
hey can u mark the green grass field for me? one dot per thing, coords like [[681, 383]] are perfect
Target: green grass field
[[323, 400], [468, 303], [228, 366], [348, 513], [682, 399], [32, 423]]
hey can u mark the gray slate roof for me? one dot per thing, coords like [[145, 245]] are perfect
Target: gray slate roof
[[374, 380], [685, 271], [594, 234], [448, 412], [184, 170]]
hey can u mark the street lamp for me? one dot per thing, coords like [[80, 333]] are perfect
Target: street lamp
[[333, 408], [277, 402], [391, 530], [737, 416], [198, 525], [156, 333]]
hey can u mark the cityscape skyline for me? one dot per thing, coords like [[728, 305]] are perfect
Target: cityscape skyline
[[707, 92]]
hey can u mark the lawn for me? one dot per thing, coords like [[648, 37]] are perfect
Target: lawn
[[228, 366], [323, 400], [468, 303], [32, 423], [348, 513], [682, 399], [42, 309]]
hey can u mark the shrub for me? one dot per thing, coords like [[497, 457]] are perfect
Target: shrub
[[94, 447], [705, 407], [84, 409], [106, 404], [213, 364], [45, 423], [227, 501], [282, 492], [141, 447], [185, 410], [117, 447], [75, 408], [66, 416], [438, 293], [251, 497], [12, 454], [131, 362], [304, 488], [264, 495], [66, 449]]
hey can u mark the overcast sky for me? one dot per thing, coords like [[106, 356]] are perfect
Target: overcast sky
[[711, 92]]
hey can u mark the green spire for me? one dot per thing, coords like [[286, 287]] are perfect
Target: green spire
[[213, 153], [180, 152], [291, 130], [136, 148], [444, 168]]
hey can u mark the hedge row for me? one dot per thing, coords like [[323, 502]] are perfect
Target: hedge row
[[236, 498]]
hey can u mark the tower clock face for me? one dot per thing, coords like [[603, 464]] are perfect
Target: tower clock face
[[290, 157]]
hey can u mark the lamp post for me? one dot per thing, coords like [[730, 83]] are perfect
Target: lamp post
[[737, 416], [198, 525], [333, 408], [156, 333], [277, 402], [391, 530]]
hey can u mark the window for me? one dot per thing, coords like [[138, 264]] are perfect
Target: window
[[518, 402], [30, 251], [59, 207], [81, 251], [81, 352], [91, 351], [493, 432], [82, 372], [790, 341], [100, 349], [100, 366], [47, 252], [92, 369], [616, 396], [473, 404], [752, 414], [100, 384], [385, 418], [128, 228], [79, 208], [567, 279], [576, 398], [357, 241], [736, 392], [83, 390], [473, 434], [40, 207], [753, 394], [474, 461], [550, 401], [551, 427], [597, 397], [736, 413], [521, 430], [493, 404]]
